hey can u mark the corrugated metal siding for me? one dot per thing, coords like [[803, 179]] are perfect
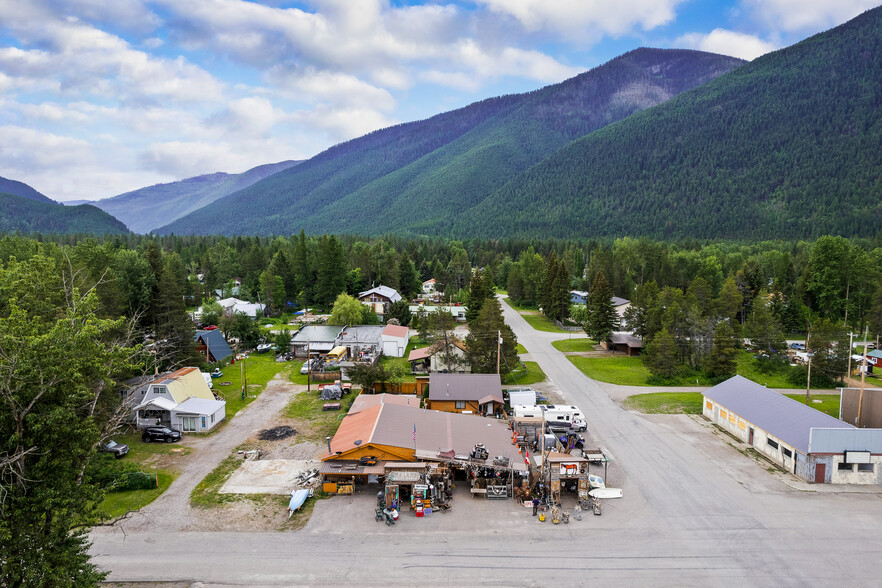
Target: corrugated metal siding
[[837, 440]]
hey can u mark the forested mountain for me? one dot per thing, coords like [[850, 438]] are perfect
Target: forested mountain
[[154, 206], [420, 176], [8, 186], [31, 216], [787, 146]]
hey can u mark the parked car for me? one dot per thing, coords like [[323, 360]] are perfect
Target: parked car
[[117, 449], [160, 434], [306, 365], [798, 346]]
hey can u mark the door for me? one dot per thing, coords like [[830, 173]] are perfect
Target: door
[[750, 436], [820, 473], [188, 424]]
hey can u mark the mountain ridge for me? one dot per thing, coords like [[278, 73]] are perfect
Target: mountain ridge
[[148, 208], [363, 183]]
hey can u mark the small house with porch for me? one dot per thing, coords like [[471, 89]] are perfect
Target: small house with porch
[[181, 400], [449, 357]]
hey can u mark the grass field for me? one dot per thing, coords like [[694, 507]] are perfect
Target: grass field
[[521, 349], [747, 368], [666, 403], [542, 323], [829, 402], [307, 407], [574, 345], [116, 504], [259, 370], [690, 403], [630, 371], [207, 493], [531, 375], [511, 303], [616, 369]]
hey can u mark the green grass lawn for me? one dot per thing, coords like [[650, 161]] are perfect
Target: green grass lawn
[[747, 368], [521, 349], [690, 403], [116, 504], [630, 371], [207, 494], [307, 407], [615, 369], [511, 303], [666, 403], [140, 451], [574, 344], [408, 378], [829, 402], [531, 375], [542, 323], [259, 370], [414, 343]]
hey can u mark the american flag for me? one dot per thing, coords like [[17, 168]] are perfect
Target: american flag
[[414, 431]]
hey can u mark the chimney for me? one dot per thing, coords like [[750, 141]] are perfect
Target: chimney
[[328, 439]]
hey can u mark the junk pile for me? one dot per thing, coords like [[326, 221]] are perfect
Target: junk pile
[[307, 478], [332, 392], [276, 433]]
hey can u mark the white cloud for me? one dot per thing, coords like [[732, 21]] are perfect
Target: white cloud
[[805, 15], [26, 148], [181, 159], [726, 42], [342, 124], [77, 58], [327, 86], [581, 17]]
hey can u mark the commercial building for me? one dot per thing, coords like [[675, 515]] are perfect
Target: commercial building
[[806, 442]]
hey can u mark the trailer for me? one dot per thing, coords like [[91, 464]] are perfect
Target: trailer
[[558, 417]]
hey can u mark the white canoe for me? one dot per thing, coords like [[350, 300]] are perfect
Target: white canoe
[[605, 493]]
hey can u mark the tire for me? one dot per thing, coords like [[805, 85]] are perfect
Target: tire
[[169, 440], [145, 439]]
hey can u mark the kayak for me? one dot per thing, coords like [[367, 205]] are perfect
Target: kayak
[[605, 493], [298, 497]]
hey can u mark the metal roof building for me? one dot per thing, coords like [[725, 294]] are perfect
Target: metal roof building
[[807, 442]]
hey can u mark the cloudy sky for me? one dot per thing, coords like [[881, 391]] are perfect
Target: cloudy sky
[[98, 97]]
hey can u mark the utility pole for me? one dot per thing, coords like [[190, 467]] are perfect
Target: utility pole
[[808, 381], [850, 343], [244, 381], [498, 349], [308, 363], [863, 375]]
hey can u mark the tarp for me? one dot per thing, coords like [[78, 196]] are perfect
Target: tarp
[[332, 392]]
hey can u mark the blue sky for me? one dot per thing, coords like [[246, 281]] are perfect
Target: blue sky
[[98, 97]]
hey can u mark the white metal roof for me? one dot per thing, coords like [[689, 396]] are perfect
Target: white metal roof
[[200, 406]]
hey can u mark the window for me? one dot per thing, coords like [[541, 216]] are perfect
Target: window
[[844, 467], [203, 421], [866, 467], [212, 418], [188, 424], [460, 404], [160, 389], [772, 443], [788, 453]]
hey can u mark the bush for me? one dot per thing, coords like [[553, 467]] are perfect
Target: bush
[[116, 476]]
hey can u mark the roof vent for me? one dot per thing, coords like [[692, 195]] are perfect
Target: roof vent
[[357, 442]]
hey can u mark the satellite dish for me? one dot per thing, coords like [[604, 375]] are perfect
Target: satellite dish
[[357, 442]]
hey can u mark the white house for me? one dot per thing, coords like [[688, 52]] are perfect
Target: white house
[[395, 339], [180, 400], [429, 286], [234, 305]]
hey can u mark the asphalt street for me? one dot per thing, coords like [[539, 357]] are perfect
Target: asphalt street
[[695, 512]]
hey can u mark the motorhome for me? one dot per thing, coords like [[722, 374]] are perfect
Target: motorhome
[[558, 416]]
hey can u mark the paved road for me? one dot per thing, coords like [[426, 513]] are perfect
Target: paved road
[[695, 513]]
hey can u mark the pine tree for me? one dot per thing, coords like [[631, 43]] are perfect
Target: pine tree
[[482, 341], [660, 356], [721, 361], [602, 316], [479, 292]]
